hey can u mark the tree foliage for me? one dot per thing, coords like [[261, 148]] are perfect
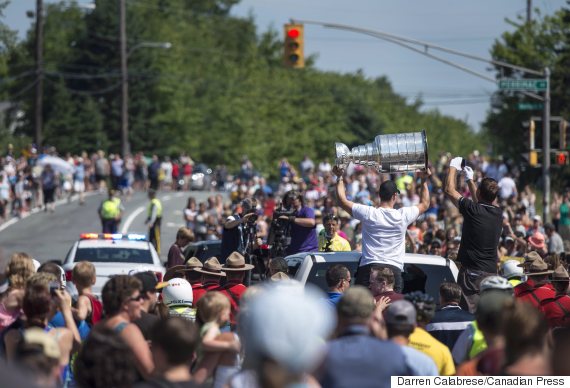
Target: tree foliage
[[219, 93]]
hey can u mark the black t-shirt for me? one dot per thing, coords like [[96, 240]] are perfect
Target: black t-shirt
[[163, 383], [145, 323], [482, 227]]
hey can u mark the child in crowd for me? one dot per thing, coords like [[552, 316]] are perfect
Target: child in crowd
[[88, 307], [216, 350]]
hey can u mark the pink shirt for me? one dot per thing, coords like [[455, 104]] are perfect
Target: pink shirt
[[7, 317]]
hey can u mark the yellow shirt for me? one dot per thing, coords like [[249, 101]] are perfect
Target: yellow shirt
[[440, 354], [337, 243]]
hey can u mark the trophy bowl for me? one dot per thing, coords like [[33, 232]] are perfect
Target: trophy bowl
[[399, 152]]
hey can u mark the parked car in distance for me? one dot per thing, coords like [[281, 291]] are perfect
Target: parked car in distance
[[113, 254], [421, 272]]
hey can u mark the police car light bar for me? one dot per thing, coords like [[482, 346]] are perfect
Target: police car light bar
[[112, 236]]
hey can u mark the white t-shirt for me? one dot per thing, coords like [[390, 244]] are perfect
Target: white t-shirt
[[507, 187], [383, 233]]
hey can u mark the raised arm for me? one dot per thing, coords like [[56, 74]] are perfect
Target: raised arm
[[470, 182], [424, 204], [341, 191], [450, 182]]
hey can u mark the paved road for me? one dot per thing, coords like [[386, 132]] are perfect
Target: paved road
[[49, 236]]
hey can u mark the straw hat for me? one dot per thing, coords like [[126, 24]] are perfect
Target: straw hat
[[236, 262], [560, 274], [211, 267]]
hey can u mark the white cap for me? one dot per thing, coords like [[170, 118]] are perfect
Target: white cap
[[537, 218]]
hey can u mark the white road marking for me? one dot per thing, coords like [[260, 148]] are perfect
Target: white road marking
[[172, 225], [8, 223], [131, 218]]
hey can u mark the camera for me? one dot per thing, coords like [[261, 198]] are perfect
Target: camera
[[53, 286], [280, 231]]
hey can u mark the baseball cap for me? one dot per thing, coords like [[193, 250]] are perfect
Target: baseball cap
[[388, 189], [400, 312], [536, 218], [436, 241], [148, 280]]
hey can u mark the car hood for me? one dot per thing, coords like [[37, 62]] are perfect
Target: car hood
[[106, 270]]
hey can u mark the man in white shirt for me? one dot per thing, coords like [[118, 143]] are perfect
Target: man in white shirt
[[507, 187], [383, 228]]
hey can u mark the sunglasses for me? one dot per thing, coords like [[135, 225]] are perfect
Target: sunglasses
[[138, 298]]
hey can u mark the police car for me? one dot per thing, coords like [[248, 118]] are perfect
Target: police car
[[421, 272], [113, 254]]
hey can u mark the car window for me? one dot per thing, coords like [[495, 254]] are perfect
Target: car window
[[317, 276], [114, 255], [426, 278]]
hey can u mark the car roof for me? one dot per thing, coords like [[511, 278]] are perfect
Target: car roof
[[113, 244], [335, 257]]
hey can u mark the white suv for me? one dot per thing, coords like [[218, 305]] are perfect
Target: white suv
[[113, 254]]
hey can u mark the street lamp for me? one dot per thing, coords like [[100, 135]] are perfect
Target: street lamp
[[125, 144]]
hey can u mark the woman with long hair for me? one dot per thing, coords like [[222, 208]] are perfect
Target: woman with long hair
[[19, 270]]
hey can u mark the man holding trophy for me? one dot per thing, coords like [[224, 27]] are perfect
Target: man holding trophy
[[384, 228]]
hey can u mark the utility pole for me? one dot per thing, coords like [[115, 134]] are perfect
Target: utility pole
[[39, 73], [546, 150], [125, 146], [528, 11]]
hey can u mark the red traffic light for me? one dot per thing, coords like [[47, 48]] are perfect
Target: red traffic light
[[561, 158], [293, 33]]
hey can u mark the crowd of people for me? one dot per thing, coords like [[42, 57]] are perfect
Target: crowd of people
[[508, 313]]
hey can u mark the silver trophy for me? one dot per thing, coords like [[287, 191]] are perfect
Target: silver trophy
[[387, 153]]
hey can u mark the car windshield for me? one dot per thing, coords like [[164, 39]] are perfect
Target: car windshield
[[114, 255]]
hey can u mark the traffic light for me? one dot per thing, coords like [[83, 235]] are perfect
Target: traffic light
[[532, 158], [293, 54], [562, 158], [562, 127]]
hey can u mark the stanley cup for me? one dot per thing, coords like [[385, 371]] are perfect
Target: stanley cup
[[388, 153]]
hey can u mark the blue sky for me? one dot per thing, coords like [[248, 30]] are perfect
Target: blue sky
[[469, 26]]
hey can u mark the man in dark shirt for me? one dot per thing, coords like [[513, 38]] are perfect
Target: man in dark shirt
[[236, 228], [303, 225], [481, 232], [352, 359], [148, 292], [450, 320], [184, 236]]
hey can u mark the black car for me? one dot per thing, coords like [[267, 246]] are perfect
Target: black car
[[203, 250]]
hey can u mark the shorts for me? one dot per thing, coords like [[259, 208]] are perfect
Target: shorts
[[78, 186]]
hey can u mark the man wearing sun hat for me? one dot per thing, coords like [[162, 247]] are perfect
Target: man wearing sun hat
[[235, 268], [557, 309], [536, 242], [211, 273], [536, 288]]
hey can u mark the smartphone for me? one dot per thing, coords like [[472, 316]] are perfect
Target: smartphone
[[53, 286]]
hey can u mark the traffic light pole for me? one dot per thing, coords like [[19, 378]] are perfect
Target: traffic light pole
[[546, 150]]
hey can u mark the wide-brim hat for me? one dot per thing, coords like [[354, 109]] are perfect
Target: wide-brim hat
[[537, 240], [178, 270], [537, 267], [211, 267], [236, 262], [560, 274], [529, 258]]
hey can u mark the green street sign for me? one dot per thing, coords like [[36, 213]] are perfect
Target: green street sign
[[530, 106], [523, 84]]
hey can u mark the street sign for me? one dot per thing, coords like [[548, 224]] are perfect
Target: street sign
[[522, 84], [530, 106]]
